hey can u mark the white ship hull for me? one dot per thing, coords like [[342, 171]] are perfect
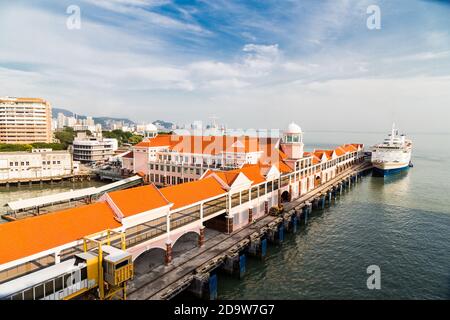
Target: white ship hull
[[392, 156]]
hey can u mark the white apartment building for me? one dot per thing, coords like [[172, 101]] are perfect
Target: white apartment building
[[93, 149], [35, 165], [25, 120]]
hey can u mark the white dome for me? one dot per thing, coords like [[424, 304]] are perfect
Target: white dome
[[294, 128], [151, 127]]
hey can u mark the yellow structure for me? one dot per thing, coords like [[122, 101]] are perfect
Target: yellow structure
[[110, 268]]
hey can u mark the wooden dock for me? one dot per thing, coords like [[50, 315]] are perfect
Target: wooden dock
[[81, 176], [195, 266]]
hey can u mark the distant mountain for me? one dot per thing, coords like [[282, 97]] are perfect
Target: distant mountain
[[104, 121], [163, 124]]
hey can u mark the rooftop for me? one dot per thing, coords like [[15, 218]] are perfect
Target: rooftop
[[29, 236]]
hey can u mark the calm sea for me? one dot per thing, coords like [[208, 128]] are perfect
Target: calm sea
[[401, 224]]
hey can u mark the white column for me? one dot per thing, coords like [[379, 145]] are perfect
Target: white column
[[168, 227]]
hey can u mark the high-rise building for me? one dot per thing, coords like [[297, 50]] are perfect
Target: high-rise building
[[61, 120], [25, 120]]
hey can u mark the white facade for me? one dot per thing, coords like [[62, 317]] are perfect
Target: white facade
[[93, 150], [35, 165]]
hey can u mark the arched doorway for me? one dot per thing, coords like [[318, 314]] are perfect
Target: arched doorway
[[317, 181], [285, 196], [149, 260], [186, 242]]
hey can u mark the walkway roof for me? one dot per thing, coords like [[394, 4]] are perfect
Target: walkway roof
[[66, 196]]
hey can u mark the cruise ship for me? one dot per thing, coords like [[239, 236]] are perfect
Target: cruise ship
[[393, 155]]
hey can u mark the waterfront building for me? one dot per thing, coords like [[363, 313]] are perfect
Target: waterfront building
[[173, 159], [151, 218], [25, 120], [92, 149], [39, 164]]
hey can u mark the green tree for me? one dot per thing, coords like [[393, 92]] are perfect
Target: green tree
[[6, 147], [134, 139], [65, 136]]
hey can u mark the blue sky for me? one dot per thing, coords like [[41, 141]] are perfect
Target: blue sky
[[258, 64]]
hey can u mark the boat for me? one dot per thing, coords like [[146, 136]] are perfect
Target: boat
[[393, 155]]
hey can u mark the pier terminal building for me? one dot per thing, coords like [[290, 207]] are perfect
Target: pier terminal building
[[239, 180]]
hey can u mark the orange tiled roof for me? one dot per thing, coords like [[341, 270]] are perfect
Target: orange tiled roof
[[29, 236], [159, 141], [252, 171], [349, 147], [190, 192], [227, 176], [137, 200], [339, 151], [209, 144]]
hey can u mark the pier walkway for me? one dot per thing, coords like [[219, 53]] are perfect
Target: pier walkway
[[164, 282], [22, 208]]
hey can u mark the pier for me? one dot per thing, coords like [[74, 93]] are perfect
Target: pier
[[196, 270], [81, 176], [179, 237], [20, 209]]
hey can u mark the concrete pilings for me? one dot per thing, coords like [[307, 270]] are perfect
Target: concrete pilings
[[204, 286], [258, 248], [235, 265], [322, 202], [307, 209]]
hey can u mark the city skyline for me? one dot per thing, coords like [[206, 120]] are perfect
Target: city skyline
[[252, 65]]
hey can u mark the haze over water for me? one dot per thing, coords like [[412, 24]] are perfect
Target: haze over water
[[401, 224]]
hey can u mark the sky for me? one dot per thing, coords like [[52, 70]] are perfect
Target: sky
[[252, 64]]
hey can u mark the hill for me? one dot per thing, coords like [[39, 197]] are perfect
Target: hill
[[104, 121]]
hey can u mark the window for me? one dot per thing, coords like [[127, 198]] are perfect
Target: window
[[214, 206], [254, 192], [122, 264], [58, 284], [262, 189], [39, 292], [235, 199], [49, 288], [244, 196], [28, 294], [269, 186]]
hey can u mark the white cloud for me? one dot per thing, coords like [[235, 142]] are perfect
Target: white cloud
[[107, 69], [136, 10]]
